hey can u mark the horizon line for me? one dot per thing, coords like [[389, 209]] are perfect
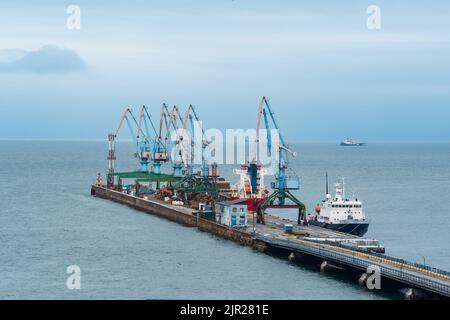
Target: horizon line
[[288, 141]]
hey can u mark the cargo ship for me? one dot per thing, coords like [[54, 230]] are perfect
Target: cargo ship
[[251, 185], [341, 214]]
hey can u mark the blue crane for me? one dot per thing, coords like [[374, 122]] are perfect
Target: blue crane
[[284, 182], [157, 147], [143, 148], [181, 156], [191, 115]]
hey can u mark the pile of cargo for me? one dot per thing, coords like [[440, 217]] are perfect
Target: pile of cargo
[[196, 198], [164, 193]]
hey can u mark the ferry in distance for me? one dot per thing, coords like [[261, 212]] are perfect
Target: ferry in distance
[[351, 143]]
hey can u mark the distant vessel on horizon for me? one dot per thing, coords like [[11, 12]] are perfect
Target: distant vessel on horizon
[[352, 143]]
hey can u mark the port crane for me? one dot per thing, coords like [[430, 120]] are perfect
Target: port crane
[[285, 178], [158, 147], [180, 153], [192, 118], [174, 141], [142, 143], [205, 180]]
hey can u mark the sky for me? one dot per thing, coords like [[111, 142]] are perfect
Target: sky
[[328, 76]]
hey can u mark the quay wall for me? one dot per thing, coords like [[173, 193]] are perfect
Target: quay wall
[[148, 206], [189, 220]]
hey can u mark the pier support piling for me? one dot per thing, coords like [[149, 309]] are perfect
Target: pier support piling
[[363, 280], [414, 294], [328, 266], [294, 256], [291, 257]]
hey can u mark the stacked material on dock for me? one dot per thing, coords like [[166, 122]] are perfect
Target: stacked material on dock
[[223, 185]]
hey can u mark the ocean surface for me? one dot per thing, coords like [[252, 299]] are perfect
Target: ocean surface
[[49, 221]]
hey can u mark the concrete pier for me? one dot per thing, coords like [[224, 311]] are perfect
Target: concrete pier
[[335, 250]]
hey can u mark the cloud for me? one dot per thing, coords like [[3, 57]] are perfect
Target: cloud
[[48, 59]]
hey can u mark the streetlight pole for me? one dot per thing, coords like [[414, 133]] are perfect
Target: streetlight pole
[[424, 262], [254, 228]]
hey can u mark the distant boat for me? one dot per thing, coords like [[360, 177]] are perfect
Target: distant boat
[[352, 143]]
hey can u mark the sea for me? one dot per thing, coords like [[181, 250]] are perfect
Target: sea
[[50, 222]]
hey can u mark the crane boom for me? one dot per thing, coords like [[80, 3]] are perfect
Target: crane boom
[[272, 116], [142, 144], [121, 121]]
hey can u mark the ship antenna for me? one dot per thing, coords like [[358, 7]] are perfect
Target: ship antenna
[[343, 188], [327, 184]]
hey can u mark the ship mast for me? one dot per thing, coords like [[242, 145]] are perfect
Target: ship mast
[[343, 188]]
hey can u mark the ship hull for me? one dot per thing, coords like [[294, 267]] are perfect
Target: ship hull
[[357, 229], [343, 144]]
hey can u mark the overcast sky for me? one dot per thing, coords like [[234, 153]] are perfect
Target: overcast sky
[[327, 75]]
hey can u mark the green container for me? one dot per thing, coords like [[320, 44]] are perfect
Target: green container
[[209, 215]]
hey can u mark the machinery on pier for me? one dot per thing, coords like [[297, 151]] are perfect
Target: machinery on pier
[[203, 181], [178, 141], [149, 148], [142, 151], [285, 178]]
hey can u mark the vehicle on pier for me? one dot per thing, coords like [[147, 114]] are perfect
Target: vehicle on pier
[[341, 214]]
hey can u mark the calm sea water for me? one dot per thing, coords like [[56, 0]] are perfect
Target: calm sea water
[[49, 221]]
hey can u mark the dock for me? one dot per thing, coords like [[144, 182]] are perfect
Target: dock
[[334, 250]]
